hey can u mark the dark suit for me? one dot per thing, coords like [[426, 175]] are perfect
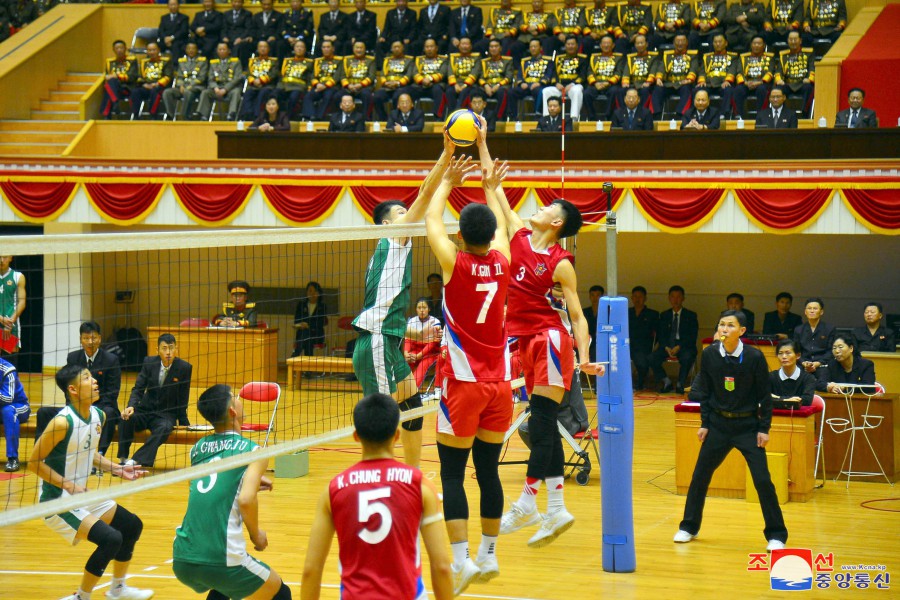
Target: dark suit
[[866, 119], [884, 339], [491, 118], [815, 346], [156, 407], [861, 373], [361, 29], [271, 28], [642, 331], [414, 120], [643, 120], [710, 118], [332, 26], [773, 325], [687, 341], [435, 29], [553, 124], [787, 119], [354, 122], [474, 24], [212, 23], [177, 26], [299, 26], [239, 26], [397, 29]]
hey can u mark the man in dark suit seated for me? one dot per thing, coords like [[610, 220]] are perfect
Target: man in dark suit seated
[[158, 400], [332, 28], [677, 338], [405, 118], [237, 31], [875, 337], [701, 116], [478, 105], [474, 24], [399, 26], [781, 322], [207, 29], [347, 119], [553, 121], [173, 31], [362, 26], [735, 301], [777, 116], [633, 117], [856, 117], [268, 25], [434, 23]]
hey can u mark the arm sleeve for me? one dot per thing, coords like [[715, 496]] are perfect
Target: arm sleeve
[[113, 382], [808, 389], [184, 393], [140, 386]]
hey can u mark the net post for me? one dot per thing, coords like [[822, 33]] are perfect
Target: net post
[[612, 271]]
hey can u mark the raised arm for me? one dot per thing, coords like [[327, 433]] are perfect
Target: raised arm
[[417, 211], [490, 181], [513, 222], [443, 248], [565, 276]]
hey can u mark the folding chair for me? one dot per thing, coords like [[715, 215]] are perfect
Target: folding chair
[[145, 35], [818, 401], [261, 391]]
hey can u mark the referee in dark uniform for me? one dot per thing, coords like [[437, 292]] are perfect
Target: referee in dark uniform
[[735, 412]]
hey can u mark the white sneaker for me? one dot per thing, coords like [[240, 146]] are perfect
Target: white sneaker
[[775, 545], [515, 519], [488, 568], [552, 526], [129, 593], [683, 537], [464, 576]]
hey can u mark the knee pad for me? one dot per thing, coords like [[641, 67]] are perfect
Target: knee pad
[[453, 474], [130, 526], [108, 541], [284, 593], [542, 423], [414, 401], [486, 458]]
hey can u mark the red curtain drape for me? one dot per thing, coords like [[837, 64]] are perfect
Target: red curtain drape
[[37, 201], [880, 208], [368, 198], [783, 209], [212, 203], [301, 203], [124, 203], [677, 208], [459, 197], [590, 201]]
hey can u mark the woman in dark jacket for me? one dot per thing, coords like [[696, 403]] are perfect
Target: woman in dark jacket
[[847, 367], [310, 320], [271, 118]]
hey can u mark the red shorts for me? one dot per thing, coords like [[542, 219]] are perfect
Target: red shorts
[[548, 359], [467, 406]]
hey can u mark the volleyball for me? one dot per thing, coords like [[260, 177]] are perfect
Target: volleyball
[[462, 126]]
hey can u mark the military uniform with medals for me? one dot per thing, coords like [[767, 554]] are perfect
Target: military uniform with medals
[[711, 13], [568, 70], [790, 71], [265, 72], [241, 317], [531, 70], [826, 19], [632, 19], [361, 71], [638, 69], [115, 90], [753, 14], [499, 72], [544, 23], [602, 68], [190, 74], [718, 69], [328, 72], [570, 20], [674, 69], [599, 21], [463, 70], [157, 72], [222, 74], [400, 70], [677, 13], [782, 17], [431, 73], [758, 71], [296, 76], [504, 25]]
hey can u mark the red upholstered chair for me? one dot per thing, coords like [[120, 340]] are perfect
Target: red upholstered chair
[[194, 322], [262, 392], [819, 402], [262, 324]]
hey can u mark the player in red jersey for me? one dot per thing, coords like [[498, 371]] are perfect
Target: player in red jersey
[[545, 349], [378, 507], [476, 402]]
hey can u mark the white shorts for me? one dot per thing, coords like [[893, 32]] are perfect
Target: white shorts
[[66, 524]]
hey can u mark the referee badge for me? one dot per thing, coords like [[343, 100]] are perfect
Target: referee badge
[[729, 384]]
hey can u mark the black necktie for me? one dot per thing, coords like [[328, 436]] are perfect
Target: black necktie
[[90, 362], [630, 118]]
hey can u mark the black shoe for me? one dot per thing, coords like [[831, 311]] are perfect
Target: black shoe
[[679, 389], [665, 388], [230, 117], [12, 464]]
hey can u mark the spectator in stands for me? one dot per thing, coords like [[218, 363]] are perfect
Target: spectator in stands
[[464, 69], [359, 76], [708, 16], [570, 75], [268, 25], [224, 78], [782, 17], [15, 411], [570, 20], [399, 26], [701, 116], [735, 301], [815, 336], [405, 118], [173, 32], [642, 325], [21, 12], [120, 73], [435, 284], [478, 105], [824, 19], [262, 77], [190, 80], [856, 116], [206, 29], [599, 21], [272, 118], [296, 76], [776, 116], [781, 322], [434, 24], [238, 312], [677, 338], [497, 74], [154, 76], [639, 71], [534, 73], [504, 24], [158, 401], [237, 31], [875, 337], [332, 28], [466, 21], [672, 18], [539, 24], [790, 383], [755, 76], [796, 70], [678, 72], [397, 73], [310, 320], [348, 119], [845, 366], [421, 355], [590, 315], [719, 73], [362, 26], [553, 122], [633, 116], [634, 19], [297, 26], [603, 75], [12, 305], [325, 85], [432, 71], [743, 22]]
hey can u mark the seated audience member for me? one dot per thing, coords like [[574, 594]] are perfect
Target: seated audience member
[[633, 116], [310, 320], [857, 116], [173, 31], [533, 74], [875, 337], [224, 78], [634, 19], [497, 74], [405, 117], [272, 118], [432, 71], [777, 116], [399, 26], [743, 22], [238, 312], [296, 76], [359, 77], [361, 26], [463, 70], [782, 18], [262, 77], [815, 337], [433, 24], [466, 20], [326, 83], [237, 31], [604, 73], [782, 322], [590, 315], [206, 28], [504, 23], [267, 25], [397, 72], [190, 79], [158, 401], [348, 119], [642, 325], [478, 105], [755, 76], [678, 71], [846, 366], [677, 338], [795, 70], [15, 411], [672, 18], [719, 72], [701, 116], [600, 21], [791, 383], [421, 354], [824, 19], [553, 121], [709, 15], [570, 71], [154, 76], [297, 26], [121, 73], [435, 284], [332, 25], [639, 71], [735, 301]]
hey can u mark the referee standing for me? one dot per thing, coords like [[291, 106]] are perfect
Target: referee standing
[[735, 412]]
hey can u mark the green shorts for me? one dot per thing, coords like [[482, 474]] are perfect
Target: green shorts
[[378, 363], [235, 582]]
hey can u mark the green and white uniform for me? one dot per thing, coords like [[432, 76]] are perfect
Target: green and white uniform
[[73, 458], [9, 299], [209, 549], [378, 359]]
